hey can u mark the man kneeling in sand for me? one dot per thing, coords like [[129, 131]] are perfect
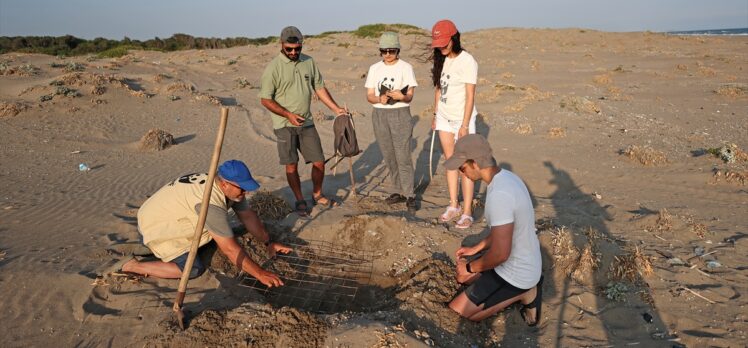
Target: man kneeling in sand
[[510, 269], [167, 221]]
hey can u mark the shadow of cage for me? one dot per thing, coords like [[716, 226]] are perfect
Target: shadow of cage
[[319, 277]]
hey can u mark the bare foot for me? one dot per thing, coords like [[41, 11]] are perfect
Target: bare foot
[[530, 315], [127, 267]]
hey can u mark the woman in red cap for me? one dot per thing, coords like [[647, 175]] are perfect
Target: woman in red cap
[[454, 75]]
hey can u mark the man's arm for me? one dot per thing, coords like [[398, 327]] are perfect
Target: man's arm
[[468, 251], [498, 252], [326, 98], [254, 225], [277, 109], [236, 254]]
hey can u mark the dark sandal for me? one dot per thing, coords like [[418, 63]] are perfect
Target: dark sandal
[[302, 208], [535, 304]]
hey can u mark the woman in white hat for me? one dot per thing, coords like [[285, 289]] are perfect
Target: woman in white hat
[[390, 84]]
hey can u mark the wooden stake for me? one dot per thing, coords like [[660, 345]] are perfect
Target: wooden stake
[[201, 218], [353, 180]]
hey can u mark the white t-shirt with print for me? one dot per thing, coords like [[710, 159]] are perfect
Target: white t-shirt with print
[[456, 73], [395, 76], [508, 201]]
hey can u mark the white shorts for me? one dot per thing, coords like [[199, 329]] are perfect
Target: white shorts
[[443, 124]]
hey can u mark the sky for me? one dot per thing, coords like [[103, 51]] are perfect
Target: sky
[[145, 19]]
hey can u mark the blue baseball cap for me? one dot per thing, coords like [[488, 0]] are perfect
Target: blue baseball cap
[[237, 172]]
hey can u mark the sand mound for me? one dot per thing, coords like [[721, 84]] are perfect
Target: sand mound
[[557, 132], [156, 140], [24, 70], [80, 79], [8, 109], [731, 176], [645, 155], [180, 87], [579, 105], [732, 90], [523, 129], [252, 324]]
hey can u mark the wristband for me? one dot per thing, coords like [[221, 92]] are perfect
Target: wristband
[[465, 127], [467, 268]]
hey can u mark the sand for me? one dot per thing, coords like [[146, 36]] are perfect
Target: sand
[[610, 131]]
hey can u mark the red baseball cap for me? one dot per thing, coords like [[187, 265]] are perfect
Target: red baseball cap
[[442, 32]]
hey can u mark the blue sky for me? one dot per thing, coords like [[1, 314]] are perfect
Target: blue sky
[[144, 19]]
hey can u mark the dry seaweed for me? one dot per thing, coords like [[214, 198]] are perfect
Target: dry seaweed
[[156, 140], [631, 266], [645, 155], [269, 206], [556, 132]]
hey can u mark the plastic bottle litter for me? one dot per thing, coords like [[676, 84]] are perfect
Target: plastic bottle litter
[[713, 264], [83, 167], [676, 262]]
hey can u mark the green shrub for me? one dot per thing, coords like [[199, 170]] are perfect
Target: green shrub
[[376, 30], [324, 34], [115, 52], [370, 30]]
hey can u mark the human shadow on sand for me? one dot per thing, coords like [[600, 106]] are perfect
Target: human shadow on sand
[[578, 211]]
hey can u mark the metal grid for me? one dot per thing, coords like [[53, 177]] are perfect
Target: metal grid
[[319, 277]]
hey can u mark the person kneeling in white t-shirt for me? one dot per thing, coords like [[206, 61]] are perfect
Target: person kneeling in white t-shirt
[[510, 268]]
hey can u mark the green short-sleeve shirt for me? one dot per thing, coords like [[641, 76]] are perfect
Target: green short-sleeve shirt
[[291, 84]]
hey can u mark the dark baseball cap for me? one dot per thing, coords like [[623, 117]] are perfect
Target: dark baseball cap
[[238, 173], [291, 35], [471, 147]]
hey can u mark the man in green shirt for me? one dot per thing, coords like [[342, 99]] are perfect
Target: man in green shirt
[[286, 90]]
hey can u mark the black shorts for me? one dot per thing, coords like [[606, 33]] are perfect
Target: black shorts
[[292, 140], [490, 289]]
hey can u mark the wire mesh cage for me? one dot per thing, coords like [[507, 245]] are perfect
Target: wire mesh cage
[[319, 277]]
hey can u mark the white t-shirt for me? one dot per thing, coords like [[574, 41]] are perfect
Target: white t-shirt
[[456, 73], [395, 76], [508, 201]]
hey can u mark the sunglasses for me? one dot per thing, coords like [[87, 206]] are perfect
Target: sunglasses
[[292, 49], [237, 186], [462, 168], [388, 51]]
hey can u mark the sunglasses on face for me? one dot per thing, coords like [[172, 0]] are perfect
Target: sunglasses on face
[[242, 191], [292, 49], [389, 51]]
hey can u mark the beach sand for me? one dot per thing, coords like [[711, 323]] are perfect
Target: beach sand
[[608, 130]]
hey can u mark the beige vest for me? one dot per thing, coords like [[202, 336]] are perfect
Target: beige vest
[[167, 220]]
